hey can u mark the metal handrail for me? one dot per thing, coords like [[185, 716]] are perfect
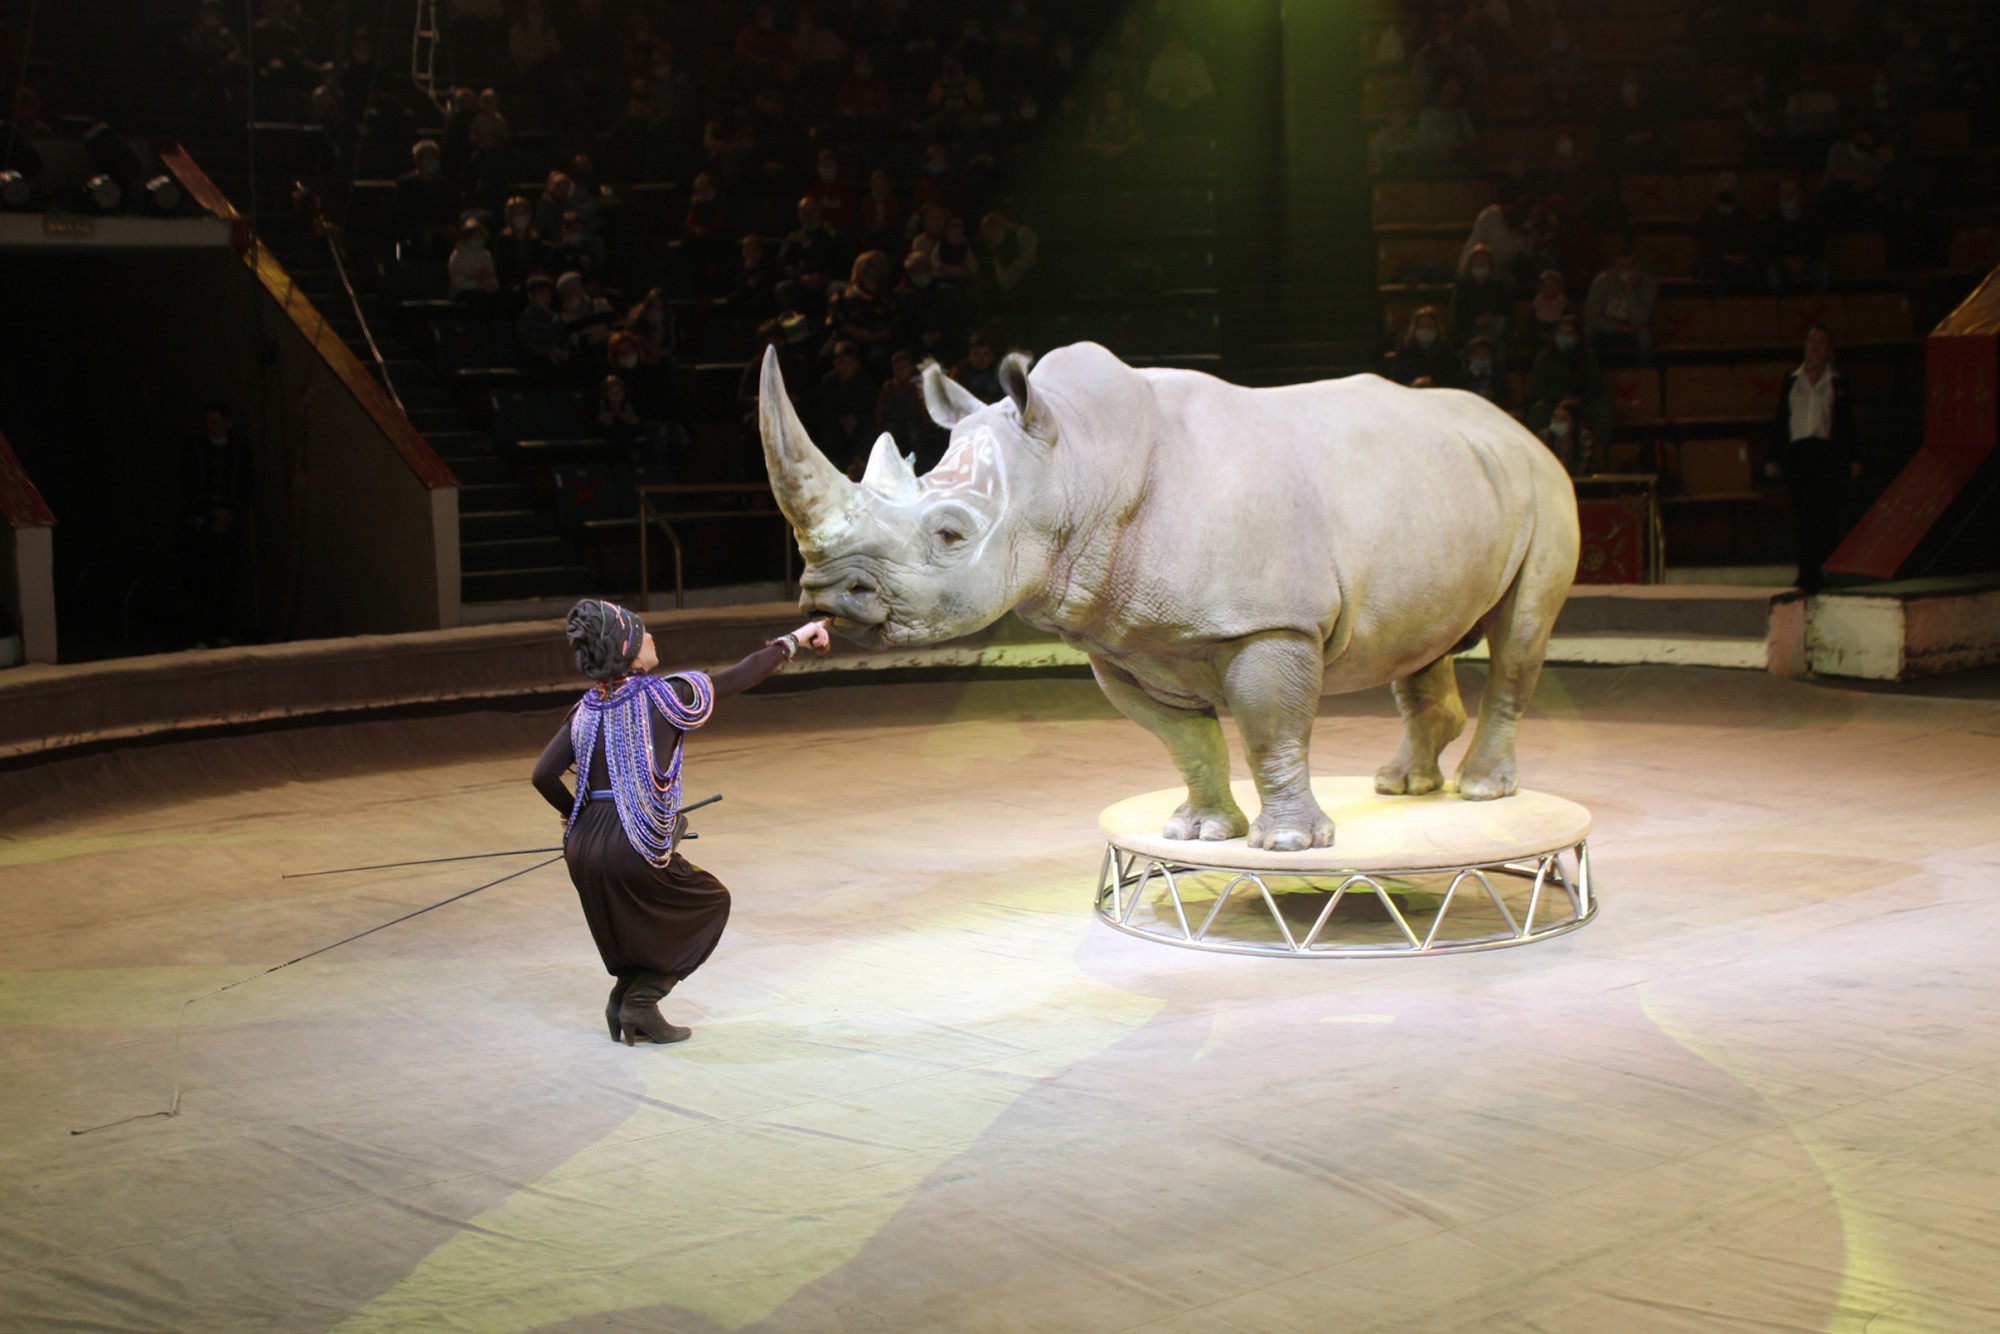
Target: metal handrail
[[332, 235], [648, 516]]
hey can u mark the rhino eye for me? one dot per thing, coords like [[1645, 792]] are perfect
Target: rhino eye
[[950, 537]]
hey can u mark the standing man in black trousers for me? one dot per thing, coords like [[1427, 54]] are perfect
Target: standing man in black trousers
[[1817, 449]]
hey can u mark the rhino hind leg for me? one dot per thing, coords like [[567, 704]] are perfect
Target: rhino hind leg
[[1272, 684], [1517, 632], [1194, 739], [1433, 716]]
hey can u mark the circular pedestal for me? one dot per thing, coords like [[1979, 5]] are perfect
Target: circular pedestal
[[1406, 875]]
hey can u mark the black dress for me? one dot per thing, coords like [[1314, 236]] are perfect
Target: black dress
[[644, 918]]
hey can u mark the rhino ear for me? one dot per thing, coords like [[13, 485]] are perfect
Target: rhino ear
[[949, 401], [1014, 379]]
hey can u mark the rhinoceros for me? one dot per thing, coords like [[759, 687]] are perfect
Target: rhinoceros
[[1211, 547]]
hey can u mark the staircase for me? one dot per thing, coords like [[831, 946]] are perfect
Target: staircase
[[510, 552]]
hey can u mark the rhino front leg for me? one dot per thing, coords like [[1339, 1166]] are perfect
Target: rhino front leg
[[1194, 739], [1272, 683]]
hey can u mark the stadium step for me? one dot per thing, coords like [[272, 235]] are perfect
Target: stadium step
[[476, 468], [510, 554], [556, 581], [492, 498], [498, 525]]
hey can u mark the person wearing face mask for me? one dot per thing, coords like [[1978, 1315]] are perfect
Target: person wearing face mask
[[763, 49], [955, 99], [473, 280], [577, 249], [1508, 232], [1482, 303], [1423, 355], [1727, 235], [1562, 77], [1444, 57], [1618, 308], [1566, 370], [218, 482], [1445, 129], [879, 214], [1811, 115], [833, 194], [586, 317], [1848, 197], [940, 184], [924, 307], [1569, 436], [1792, 245], [1635, 133], [754, 285], [427, 204], [865, 100], [1481, 373], [651, 325], [540, 333]]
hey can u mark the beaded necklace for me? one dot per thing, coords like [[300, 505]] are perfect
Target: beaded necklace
[[648, 800]]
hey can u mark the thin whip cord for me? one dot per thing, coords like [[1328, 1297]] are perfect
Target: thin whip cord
[[173, 1107]]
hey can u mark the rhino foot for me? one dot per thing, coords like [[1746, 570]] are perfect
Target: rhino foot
[[1291, 831], [1207, 823], [1400, 780], [1488, 781]]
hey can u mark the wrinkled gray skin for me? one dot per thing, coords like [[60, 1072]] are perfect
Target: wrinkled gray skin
[[1212, 547]]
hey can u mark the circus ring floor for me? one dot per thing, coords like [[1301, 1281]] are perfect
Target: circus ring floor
[[928, 1090]]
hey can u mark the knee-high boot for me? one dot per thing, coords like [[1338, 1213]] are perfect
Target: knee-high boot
[[639, 1013], [618, 990]]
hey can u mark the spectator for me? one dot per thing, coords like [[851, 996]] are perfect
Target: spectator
[[620, 425], [810, 257], [490, 137], [586, 318], [650, 324], [519, 251], [940, 184], [577, 249], [1913, 69], [878, 214], [473, 279], [651, 384], [1508, 232], [899, 410], [816, 47], [1397, 149], [955, 100], [1848, 198], [1818, 448], [1811, 116], [1422, 359], [1488, 27], [1115, 131], [457, 144], [1635, 133], [1571, 175], [218, 483], [1481, 373], [540, 333], [952, 259], [754, 290], [1618, 309], [1444, 57], [834, 196], [212, 48], [1011, 252], [1676, 72], [730, 140], [1446, 131], [1884, 114], [864, 315], [846, 408], [1482, 303], [763, 49], [925, 312], [1794, 246], [1763, 119], [1550, 306], [979, 372], [706, 219], [1727, 235], [357, 73], [865, 102], [1178, 86], [1570, 437], [533, 44], [1562, 78], [426, 203], [1566, 369], [560, 196]]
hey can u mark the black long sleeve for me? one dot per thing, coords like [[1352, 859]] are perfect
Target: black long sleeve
[[556, 759]]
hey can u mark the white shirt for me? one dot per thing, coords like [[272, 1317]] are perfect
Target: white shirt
[[1812, 406]]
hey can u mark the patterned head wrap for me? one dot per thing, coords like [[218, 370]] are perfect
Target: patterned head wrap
[[606, 638]]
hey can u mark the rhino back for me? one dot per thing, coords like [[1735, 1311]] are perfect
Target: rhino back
[[1355, 509]]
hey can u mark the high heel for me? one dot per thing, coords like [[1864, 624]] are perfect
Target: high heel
[[618, 990], [639, 1012]]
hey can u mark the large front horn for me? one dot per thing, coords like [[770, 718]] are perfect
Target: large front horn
[[810, 490]]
